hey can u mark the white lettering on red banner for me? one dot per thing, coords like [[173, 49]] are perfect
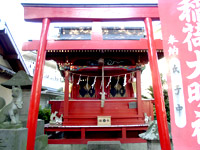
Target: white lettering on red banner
[[177, 84], [190, 16]]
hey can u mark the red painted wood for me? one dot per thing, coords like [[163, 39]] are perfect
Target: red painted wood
[[82, 133], [149, 107], [89, 14], [96, 128], [93, 45], [57, 106], [109, 71], [84, 130], [136, 128], [66, 100], [139, 93], [36, 87], [157, 89], [80, 141], [124, 133], [85, 112], [53, 129], [103, 129]]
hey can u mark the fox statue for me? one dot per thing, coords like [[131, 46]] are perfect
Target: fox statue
[[10, 113]]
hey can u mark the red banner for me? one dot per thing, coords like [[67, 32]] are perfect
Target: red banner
[[180, 23]]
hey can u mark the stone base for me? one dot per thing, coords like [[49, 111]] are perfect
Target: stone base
[[40, 126], [155, 145], [127, 146], [13, 139], [104, 145], [8, 125], [67, 147], [41, 142], [134, 146]]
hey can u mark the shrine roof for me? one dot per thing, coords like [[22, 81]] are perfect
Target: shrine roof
[[35, 12], [88, 4], [9, 50]]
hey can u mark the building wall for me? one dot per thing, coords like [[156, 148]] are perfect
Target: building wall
[[51, 77], [5, 92], [4, 62]]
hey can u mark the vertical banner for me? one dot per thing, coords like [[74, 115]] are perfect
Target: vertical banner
[[180, 23]]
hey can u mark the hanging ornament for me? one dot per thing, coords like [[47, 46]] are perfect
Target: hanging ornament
[[95, 78], [124, 84], [79, 80], [109, 82], [87, 82], [117, 82]]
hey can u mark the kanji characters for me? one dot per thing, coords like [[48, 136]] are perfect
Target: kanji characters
[[196, 126], [172, 40], [189, 10], [194, 64], [194, 92], [173, 50]]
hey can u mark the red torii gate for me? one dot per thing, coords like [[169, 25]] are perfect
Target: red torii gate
[[59, 13]]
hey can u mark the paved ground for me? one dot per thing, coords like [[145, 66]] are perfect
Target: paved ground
[[135, 146]]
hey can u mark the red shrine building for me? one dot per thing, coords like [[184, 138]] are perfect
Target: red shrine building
[[102, 66]]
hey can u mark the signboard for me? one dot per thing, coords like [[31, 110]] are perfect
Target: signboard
[[180, 23]]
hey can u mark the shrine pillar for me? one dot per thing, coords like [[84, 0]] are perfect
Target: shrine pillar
[[139, 94], [157, 88], [66, 98], [37, 86]]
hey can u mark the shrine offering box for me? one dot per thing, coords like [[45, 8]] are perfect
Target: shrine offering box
[[103, 120]]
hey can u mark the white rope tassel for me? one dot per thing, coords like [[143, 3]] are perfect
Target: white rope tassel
[[94, 82], [117, 82], [79, 80], [124, 80], [109, 82], [87, 82]]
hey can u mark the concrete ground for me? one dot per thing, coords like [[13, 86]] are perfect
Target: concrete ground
[[132, 146]]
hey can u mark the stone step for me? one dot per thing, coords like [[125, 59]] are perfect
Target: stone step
[[104, 145]]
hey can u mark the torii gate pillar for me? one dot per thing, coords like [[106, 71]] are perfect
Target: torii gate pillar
[[37, 86], [157, 89]]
